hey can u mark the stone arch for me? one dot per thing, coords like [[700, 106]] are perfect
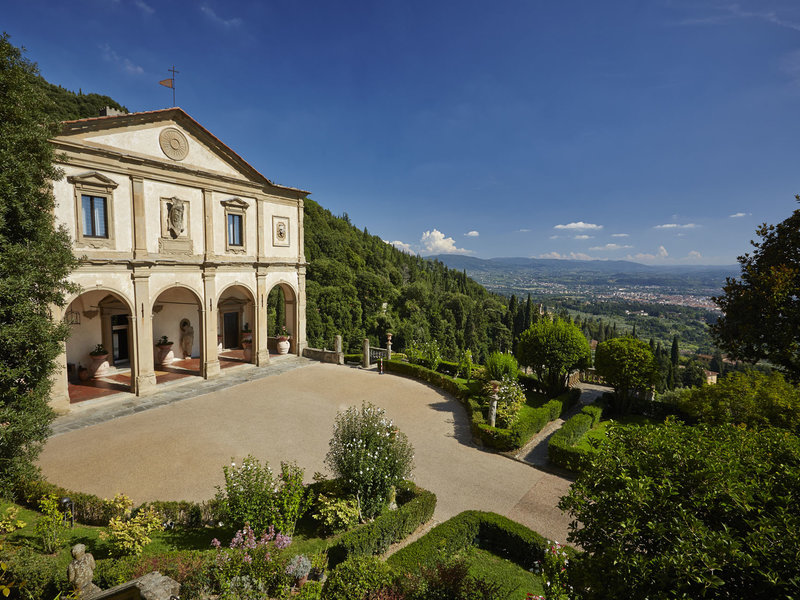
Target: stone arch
[[282, 309], [236, 325], [99, 315], [172, 306]]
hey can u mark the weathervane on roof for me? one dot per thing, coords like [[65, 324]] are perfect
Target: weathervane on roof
[[170, 83]]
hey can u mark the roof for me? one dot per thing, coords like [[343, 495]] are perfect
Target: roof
[[178, 115]]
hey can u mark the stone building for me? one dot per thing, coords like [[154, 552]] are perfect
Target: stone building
[[181, 238]]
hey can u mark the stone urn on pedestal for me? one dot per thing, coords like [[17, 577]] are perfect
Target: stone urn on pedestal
[[283, 340], [165, 355], [99, 358], [247, 348]]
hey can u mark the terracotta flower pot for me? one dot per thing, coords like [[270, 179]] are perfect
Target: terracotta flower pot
[[99, 365], [165, 354], [247, 350]]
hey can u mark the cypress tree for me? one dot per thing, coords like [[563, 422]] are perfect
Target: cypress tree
[[675, 353]]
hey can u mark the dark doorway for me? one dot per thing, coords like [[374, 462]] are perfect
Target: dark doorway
[[230, 325], [119, 338]]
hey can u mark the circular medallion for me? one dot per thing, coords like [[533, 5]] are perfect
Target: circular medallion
[[173, 143]]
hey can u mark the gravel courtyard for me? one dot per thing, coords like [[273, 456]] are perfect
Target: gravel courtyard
[[177, 451]]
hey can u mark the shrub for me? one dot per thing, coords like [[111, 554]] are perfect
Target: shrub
[[250, 560], [9, 522], [465, 365], [253, 495], [129, 535], [299, 567], [190, 568], [510, 398], [356, 577], [501, 366], [448, 579], [336, 514], [431, 355], [416, 507], [561, 449], [34, 575], [50, 528], [370, 455], [312, 590]]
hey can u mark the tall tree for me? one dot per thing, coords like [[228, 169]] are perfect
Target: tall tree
[[675, 352], [35, 260], [761, 309], [553, 349], [629, 367]]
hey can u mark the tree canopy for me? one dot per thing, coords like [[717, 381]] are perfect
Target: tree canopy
[[553, 349], [673, 511], [628, 365], [761, 308], [35, 260]]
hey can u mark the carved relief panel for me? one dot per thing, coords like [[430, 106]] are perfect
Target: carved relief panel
[[280, 231], [175, 235]]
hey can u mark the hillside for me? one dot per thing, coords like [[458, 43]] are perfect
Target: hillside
[[360, 286], [67, 105]]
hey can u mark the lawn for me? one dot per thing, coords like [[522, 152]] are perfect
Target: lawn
[[516, 581], [600, 432]]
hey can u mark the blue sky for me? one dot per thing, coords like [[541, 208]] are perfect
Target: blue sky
[[658, 131]]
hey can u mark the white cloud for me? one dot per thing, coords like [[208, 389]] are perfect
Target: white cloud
[[610, 247], [677, 226], [125, 64], [214, 18], [523, 230], [435, 242], [583, 236], [145, 8], [737, 215], [662, 253], [620, 235], [554, 237], [579, 225], [734, 11], [400, 245], [694, 254], [472, 233], [570, 256]]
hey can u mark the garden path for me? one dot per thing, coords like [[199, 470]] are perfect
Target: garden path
[[176, 450], [535, 451]]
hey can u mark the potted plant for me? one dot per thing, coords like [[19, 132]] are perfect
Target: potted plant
[[247, 334], [283, 336], [319, 562], [99, 358], [83, 373], [299, 568], [165, 355]]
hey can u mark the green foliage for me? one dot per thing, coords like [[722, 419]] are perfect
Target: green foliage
[[510, 398], [50, 528], [312, 590], [356, 577], [35, 260], [416, 507], [561, 449], [553, 349], [489, 531], [254, 495], [688, 512], [370, 455], [465, 364], [751, 398], [761, 309], [336, 514], [31, 575], [359, 286], [499, 366], [10, 521], [450, 579], [628, 365], [554, 572], [129, 535]]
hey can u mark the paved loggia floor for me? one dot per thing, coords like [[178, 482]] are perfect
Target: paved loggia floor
[[176, 450]]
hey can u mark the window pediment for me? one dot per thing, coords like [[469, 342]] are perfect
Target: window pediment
[[93, 179], [235, 203]]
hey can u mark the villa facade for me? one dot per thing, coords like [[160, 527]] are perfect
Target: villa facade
[[180, 238]]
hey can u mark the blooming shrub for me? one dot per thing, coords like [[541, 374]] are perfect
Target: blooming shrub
[[370, 455], [252, 565], [510, 398], [129, 536], [465, 365], [254, 495], [553, 568]]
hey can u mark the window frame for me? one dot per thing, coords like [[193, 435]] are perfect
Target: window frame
[[95, 185], [92, 202], [236, 207]]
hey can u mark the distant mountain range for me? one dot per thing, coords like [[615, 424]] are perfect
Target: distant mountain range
[[520, 274]]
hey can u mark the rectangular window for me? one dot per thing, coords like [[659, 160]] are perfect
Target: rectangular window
[[95, 223], [235, 230]]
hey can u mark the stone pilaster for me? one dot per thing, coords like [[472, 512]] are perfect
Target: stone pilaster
[[208, 229], [210, 317], [59, 392], [301, 245], [139, 218], [261, 353], [143, 376], [300, 334]]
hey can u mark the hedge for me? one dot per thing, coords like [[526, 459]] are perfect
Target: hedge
[[530, 420], [393, 526], [489, 531], [562, 451]]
